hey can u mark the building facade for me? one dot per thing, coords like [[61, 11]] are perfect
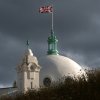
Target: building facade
[[28, 72]]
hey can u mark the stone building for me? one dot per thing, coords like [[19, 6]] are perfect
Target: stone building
[[33, 73]]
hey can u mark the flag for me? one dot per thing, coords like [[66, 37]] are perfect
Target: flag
[[46, 9]]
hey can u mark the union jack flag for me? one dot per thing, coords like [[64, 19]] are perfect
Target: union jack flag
[[46, 9]]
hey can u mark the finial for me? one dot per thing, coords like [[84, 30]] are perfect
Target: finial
[[27, 44], [52, 32], [52, 44]]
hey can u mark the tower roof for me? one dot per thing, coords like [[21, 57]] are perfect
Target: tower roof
[[27, 59], [29, 52]]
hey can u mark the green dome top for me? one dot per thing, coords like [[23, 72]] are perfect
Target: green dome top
[[52, 44]]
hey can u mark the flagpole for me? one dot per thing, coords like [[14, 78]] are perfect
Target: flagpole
[[49, 9], [52, 27]]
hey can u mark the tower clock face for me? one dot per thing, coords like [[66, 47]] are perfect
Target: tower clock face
[[32, 67]]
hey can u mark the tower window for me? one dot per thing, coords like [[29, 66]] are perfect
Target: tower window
[[28, 75], [32, 68], [31, 85]]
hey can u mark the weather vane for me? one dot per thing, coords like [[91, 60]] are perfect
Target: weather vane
[[27, 43]]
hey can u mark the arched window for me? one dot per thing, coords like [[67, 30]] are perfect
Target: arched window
[[47, 81], [28, 75], [31, 85]]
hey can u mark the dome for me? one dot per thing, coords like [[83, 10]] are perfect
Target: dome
[[54, 67]]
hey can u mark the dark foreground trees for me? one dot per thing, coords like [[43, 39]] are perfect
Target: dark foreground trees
[[70, 89]]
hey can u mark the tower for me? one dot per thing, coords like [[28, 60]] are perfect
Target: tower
[[28, 72], [52, 44]]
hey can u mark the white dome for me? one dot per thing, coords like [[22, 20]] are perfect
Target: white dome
[[57, 66]]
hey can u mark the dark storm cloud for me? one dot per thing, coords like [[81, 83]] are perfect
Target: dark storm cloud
[[76, 24]]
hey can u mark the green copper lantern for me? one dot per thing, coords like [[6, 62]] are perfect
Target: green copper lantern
[[52, 44]]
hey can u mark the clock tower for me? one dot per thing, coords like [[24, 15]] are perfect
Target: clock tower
[[28, 72]]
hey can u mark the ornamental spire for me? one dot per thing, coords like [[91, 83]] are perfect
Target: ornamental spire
[[52, 44], [29, 51], [52, 40], [27, 43]]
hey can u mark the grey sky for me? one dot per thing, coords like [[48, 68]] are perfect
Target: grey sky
[[76, 24]]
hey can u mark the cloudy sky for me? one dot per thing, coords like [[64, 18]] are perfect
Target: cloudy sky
[[76, 25]]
